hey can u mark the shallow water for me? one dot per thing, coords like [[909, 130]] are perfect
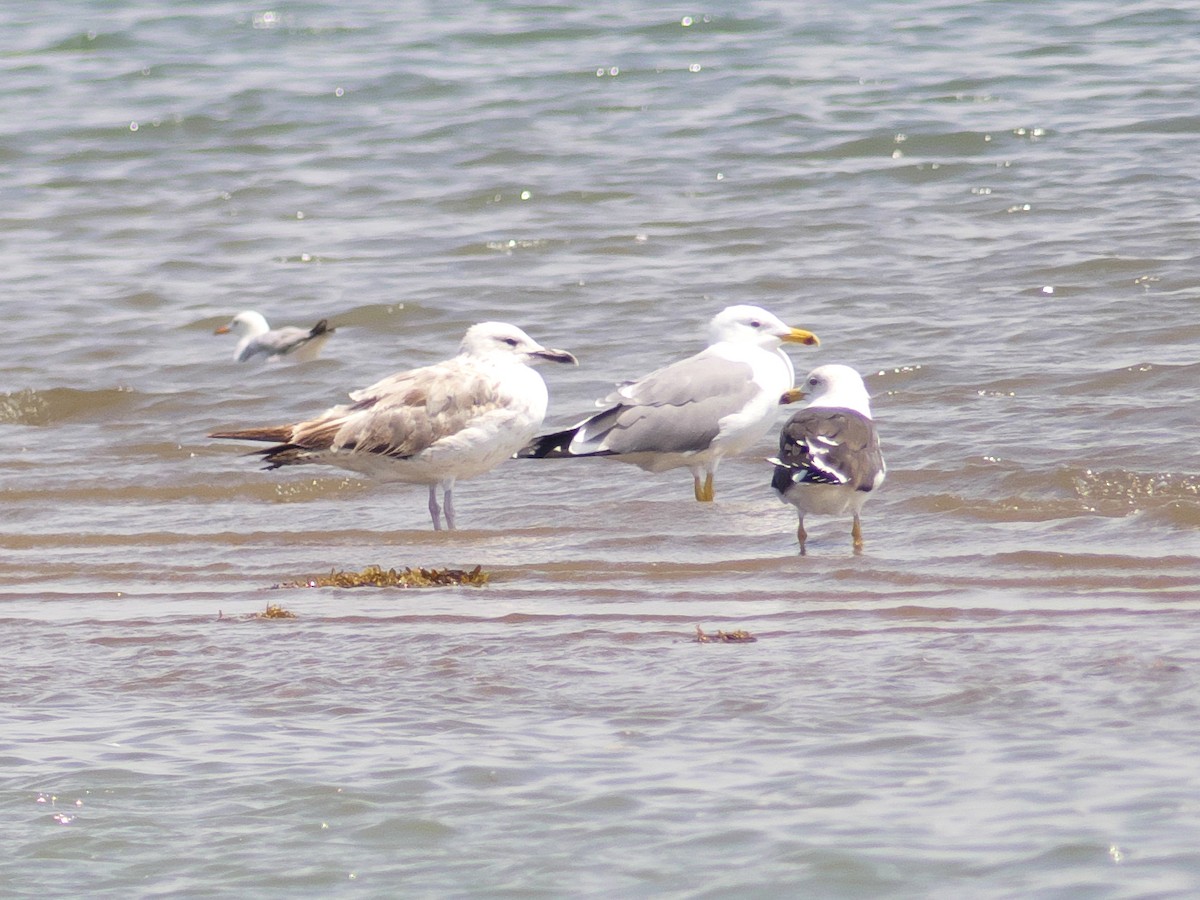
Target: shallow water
[[989, 209]]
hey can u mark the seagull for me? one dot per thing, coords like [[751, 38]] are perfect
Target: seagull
[[257, 338], [829, 459], [696, 411], [455, 419]]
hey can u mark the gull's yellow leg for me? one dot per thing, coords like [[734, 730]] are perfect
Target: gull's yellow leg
[[801, 536], [709, 492], [696, 486], [856, 534]]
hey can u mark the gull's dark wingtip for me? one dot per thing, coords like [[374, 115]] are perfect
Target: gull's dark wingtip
[[548, 446]]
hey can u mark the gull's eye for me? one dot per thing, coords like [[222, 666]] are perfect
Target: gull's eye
[[754, 323], [512, 342]]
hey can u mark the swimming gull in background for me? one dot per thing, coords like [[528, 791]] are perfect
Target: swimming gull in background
[[829, 459], [433, 425], [694, 412], [257, 338]]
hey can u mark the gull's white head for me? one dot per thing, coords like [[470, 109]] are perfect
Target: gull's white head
[[245, 324], [835, 386], [499, 341], [754, 325]]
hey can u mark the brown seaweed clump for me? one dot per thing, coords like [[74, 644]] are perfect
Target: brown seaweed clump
[[377, 576], [273, 611], [741, 636]]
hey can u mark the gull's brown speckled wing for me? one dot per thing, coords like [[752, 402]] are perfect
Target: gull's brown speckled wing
[[398, 417]]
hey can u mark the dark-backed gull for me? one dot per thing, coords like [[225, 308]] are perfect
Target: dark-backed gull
[[829, 460]]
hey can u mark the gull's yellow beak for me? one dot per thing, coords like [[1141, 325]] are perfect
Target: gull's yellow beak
[[224, 329], [800, 336], [791, 396]]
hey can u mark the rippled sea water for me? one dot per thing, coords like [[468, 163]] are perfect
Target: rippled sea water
[[990, 209]]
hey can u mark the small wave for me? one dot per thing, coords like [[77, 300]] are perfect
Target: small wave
[[91, 42], [1177, 513], [47, 407], [1100, 565], [375, 316], [253, 491], [1003, 509], [1135, 490], [1175, 125], [1146, 378], [1015, 494]]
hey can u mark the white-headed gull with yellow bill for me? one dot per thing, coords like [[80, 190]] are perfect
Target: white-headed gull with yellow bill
[[434, 425], [829, 459], [694, 412]]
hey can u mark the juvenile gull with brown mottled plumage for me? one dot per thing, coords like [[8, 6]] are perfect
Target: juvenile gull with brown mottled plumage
[[434, 425]]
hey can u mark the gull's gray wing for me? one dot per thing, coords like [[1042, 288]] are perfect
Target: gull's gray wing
[[283, 341], [673, 410]]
